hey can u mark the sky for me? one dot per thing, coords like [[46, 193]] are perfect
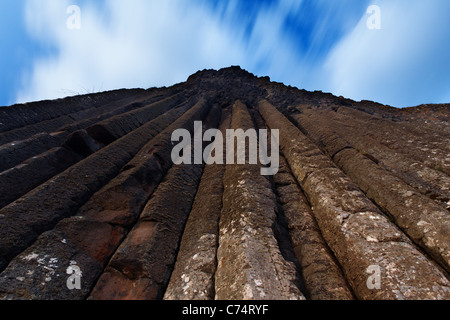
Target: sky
[[395, 52]]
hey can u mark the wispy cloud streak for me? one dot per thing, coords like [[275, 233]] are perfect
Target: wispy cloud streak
[[403, 64], [316, 45]]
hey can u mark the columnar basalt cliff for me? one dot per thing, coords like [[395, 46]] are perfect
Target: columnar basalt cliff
[[93, 207]]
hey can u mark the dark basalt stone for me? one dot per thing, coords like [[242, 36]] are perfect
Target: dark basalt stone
[[359, 208]]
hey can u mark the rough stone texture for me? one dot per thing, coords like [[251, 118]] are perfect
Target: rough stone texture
[[141, 267], [19, 180], [23, 220], [250, 264], [358, 209], [116, 127], [423, 220], [395, 158], [31, 113], [108, 208], [40, 272], [125, 196], [193, 275], [321, 273], [118, 107], [15, 153], [121, 209], [357, 232], [68, 113]]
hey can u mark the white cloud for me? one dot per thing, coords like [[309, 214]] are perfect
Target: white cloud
[[135, 43], [142, 43], [403, 64]]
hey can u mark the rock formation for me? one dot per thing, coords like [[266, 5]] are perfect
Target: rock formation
[[92, 206]]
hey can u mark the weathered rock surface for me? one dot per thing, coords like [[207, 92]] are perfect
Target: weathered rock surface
[[361, 237], [250, 264], [423, 220], [321, 273], [141, 267], [195, 269], [92, 206]]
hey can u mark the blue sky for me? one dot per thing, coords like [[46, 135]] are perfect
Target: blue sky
[[311, 44]]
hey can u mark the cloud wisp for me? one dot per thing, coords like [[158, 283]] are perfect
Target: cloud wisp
[[141, 43], [403, 64], [136, 43]]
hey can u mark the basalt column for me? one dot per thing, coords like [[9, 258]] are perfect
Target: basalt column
[[250, 264]]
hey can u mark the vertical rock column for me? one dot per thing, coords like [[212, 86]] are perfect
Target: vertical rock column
[[422, 219], [321, 274], [90, 238], [379, 261], [142, 265], [250, 264], [193, 276]]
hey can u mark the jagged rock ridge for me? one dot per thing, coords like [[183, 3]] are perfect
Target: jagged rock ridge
[[358, 210]]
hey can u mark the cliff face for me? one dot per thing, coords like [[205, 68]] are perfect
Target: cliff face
[[92, 206]]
